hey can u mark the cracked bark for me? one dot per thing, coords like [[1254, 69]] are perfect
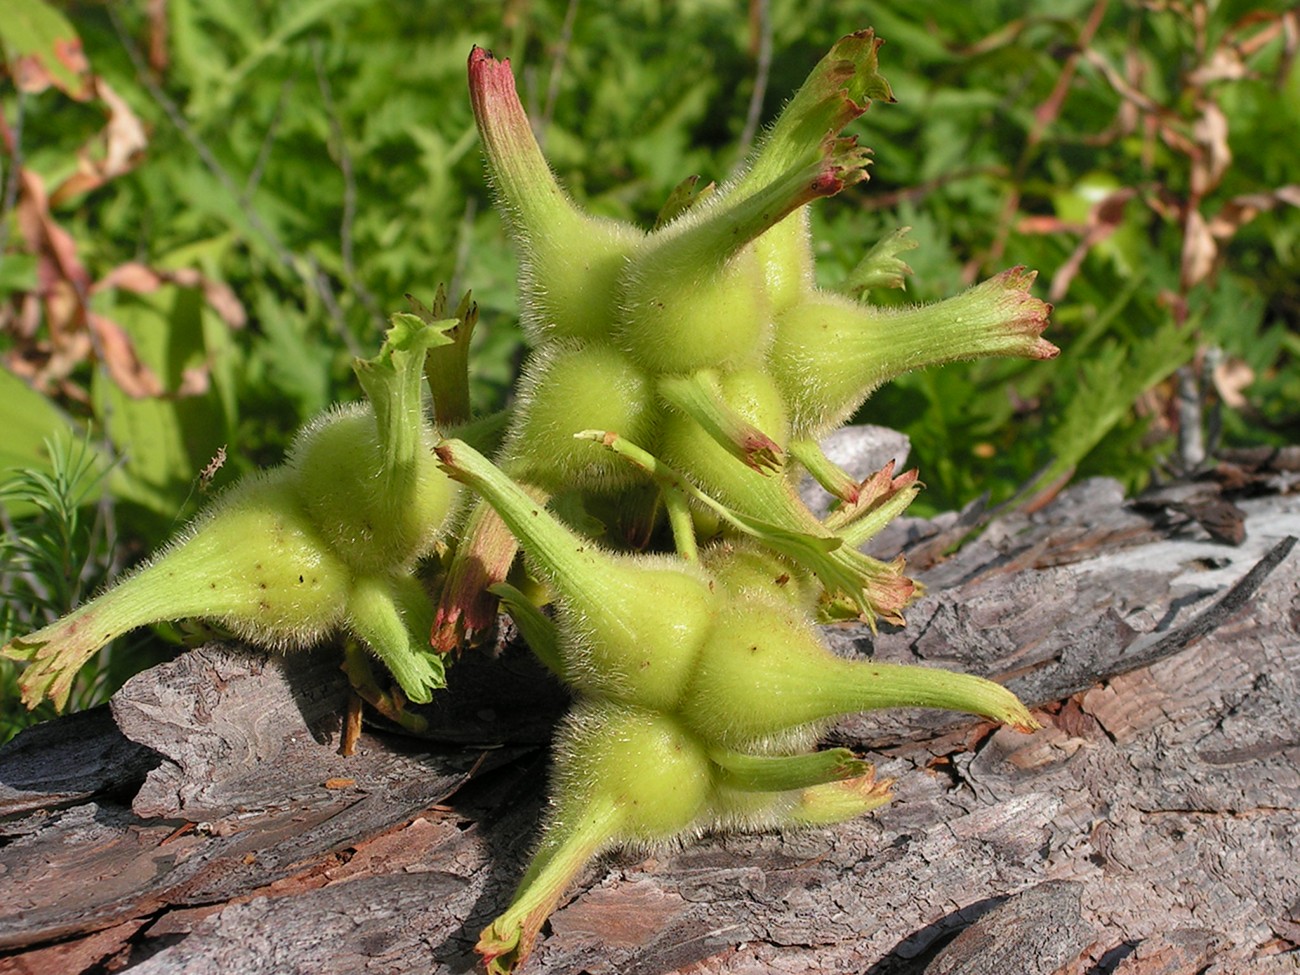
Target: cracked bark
[[1151, 828]]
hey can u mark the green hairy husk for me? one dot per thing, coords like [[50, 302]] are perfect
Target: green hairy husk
[[711, 366], [329, 542]]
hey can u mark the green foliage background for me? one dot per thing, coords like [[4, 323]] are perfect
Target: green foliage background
[[319, 158]]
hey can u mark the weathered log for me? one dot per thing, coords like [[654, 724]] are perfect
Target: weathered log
[[207, 824]]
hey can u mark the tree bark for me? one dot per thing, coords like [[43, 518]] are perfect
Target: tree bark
[[205, 823]]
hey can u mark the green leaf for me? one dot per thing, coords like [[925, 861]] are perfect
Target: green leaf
[[165, 441], [28, 420], [17, 273], [43, 49]]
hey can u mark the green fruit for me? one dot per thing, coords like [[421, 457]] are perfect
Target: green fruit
[[698, 294], [257, 564], [622, 775], [766, 680], [630, 626], [564, 391], [644, 763], [684, 308], [371, 516], [830, 353], [760, 679], [703, 356], [253, 561], [745, 569], [686, 444], [569, 261], [785, 255], [569, 278]]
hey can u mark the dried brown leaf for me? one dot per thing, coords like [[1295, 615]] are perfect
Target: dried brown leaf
[[158, 32], [117, 352], [1209, 164], [1105, 217], [1231, 378], [1047, 224], [140, 279], [1199, 250], [1240, 210], [133, 277], [46, 52], [219, 295], [1225, 64], [55, 248], [195, 381], [118, 148]]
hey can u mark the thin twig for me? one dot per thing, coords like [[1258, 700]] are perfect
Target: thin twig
[[349, 191], [1072, 674], [325, 291], [1188, 403], [158, 34], [557, 71], [919, 191], [205, 154], [1120, 84], [760, 15], [1210, 362], [1148, 649], [264, 150], [345, 158], [15, 147]]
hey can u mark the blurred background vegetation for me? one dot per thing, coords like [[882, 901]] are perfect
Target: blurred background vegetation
[[208, 207]]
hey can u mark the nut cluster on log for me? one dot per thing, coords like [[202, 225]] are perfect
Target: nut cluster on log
[[205, 823]]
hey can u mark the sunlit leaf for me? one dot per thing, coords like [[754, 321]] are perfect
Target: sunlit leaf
[[43, 49]]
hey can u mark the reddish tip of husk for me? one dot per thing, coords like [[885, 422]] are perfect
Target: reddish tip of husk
[[761, 452], [1028, 315], [455, 628], [467, 613], [447, 461], [483, 69], [883, 485], [1044, 349], [845, 164], [482, 61], [492, 90], [1026, 727], [892, 592]]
